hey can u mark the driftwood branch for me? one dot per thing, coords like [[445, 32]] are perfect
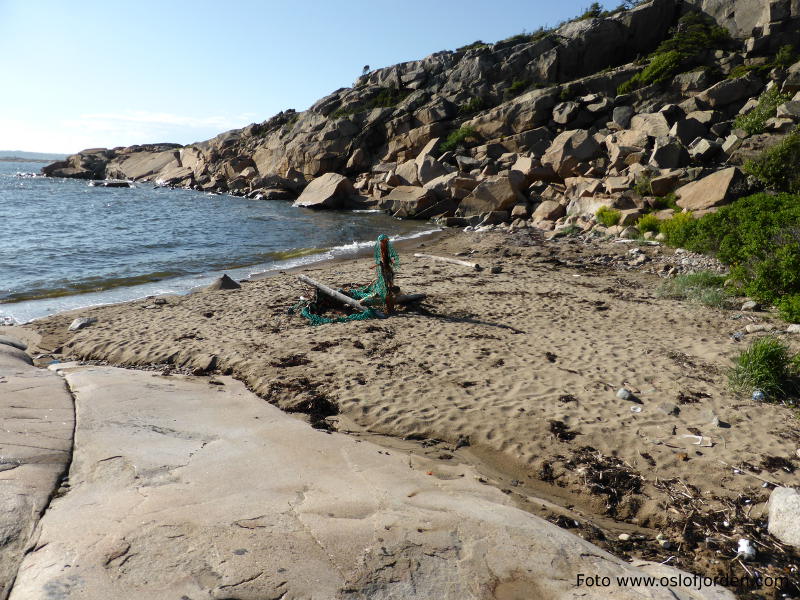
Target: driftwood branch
[[454, 261], [339, 296]]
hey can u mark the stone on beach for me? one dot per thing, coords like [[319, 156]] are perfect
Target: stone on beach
[[224, 283]]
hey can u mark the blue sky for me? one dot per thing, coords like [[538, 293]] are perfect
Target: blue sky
[[91, 73]]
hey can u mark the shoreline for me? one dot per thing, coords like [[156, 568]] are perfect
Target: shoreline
[[363, 248]]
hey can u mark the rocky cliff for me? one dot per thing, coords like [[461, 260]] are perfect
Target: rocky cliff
[[530, 129]]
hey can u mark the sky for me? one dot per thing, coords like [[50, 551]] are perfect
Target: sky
[[90, 73]]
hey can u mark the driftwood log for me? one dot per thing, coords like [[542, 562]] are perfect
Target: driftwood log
[[339, 296], [455, 261]]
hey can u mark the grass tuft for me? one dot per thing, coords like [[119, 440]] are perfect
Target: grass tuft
[[703, 287], [766, 365]]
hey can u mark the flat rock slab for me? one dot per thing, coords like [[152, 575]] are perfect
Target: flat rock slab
[[36, 423], [184, 489]]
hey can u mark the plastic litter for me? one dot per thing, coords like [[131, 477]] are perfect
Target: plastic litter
[[623, 394], [636, 409], [746, 550], [759, 396]]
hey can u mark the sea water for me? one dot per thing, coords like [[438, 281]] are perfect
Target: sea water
[[65, 244]]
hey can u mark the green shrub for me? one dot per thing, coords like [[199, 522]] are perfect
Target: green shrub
[[777, 166], [473, 105], [693, 36], [668, 201], [517, 87], [758, 236], [386, 98], [594, 11], [608, 216], [642, 186], [458, 138], [785, 57], [756, 120], [789, 307], [567, 231], [662, 67], [678, 229], [704, 287], [766, 365], [648, 223], [472, 46]]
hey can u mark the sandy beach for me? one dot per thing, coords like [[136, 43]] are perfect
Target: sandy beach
[[514, 372]]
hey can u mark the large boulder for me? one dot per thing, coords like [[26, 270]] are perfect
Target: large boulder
[[729, 91], [713, 190], [331, 190], [652, 124], [549, 210], [668, 153], [408, 200], [784, 515], [569, 149], [493, 194], [686, 130], [141, 165]]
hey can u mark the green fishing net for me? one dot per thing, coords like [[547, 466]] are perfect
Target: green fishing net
[[375, 293]]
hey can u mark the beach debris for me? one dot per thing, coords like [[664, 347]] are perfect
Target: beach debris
[[352, 302], [462, 442], [759, 396], [624, 394], [496, 270], [746, 550], [223, 283], [698, 440], [636, 408], [454, 261], [363, 299], [737, 336], [81, 322]]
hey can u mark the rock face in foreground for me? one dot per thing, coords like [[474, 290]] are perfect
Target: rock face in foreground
[[198, 491], [37, 420]]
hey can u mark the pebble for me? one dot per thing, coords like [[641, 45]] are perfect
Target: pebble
[[753, 328], [794, 328], [624, 537], [750, 305], [663, 541]]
